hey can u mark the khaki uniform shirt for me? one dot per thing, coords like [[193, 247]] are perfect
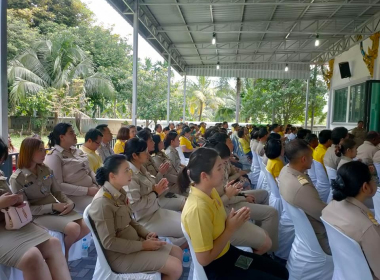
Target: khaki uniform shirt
[[71, 170], [298, 190], [221, 188], [4, 188], [330, 159], [105, 151], [144, 201], [150, 166], [366, 151], [171, 175], [41, 190], [359, 135], [260, 149], [94, 160], [355, 220], [112, 217], [344, 160], [173, 155]]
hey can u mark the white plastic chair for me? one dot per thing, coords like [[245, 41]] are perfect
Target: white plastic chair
[[254, 175], [10, 273], [377, 166], [312, 175], [75, 252], [264, 184], [306, 261], [103, 270], [349, 260], [199, 272], [286, 228], [376, 204], [323, 184], [331, 174], [184, 161]]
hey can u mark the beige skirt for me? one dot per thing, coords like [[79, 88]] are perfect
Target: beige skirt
[[56, 222], [15, 243], [143, 261]]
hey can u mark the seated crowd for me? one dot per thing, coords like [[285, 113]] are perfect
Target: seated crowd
[[138, 193]]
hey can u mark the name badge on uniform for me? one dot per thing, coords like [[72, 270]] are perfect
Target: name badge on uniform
[[303, 181], [48, 177], [28, 184]]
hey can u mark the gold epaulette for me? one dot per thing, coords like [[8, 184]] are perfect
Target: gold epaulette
[[107, 195], [303, 181], [372, 218]]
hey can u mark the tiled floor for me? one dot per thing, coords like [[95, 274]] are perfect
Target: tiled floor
[[83, 269]]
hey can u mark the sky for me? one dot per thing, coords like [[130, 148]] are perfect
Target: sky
[[107, 16]]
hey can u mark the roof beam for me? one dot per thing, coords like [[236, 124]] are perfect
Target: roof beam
[[191, 36], [266, 3], [199, 25], [264, 31]]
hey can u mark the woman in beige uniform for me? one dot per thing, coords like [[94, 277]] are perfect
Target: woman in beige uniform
[[30, 248], [129, 247], [70, 167], [167, 200], [347, 212], [265, 216], [40, 188], [170, 144], [159, 157], [144, 193]]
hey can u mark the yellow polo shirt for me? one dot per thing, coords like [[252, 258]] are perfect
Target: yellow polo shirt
[[274, 167], [119, 147], [202, 130], [94, 160], [245, 145], [204, 219], [319, 153], [183, 141], [162, 135]]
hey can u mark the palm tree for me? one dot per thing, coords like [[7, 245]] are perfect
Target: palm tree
[[203, 98], [54, 65]]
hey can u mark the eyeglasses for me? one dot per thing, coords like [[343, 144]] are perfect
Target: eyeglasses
[[97, 142]]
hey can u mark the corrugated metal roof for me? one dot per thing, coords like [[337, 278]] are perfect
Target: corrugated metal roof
[[252, 33]]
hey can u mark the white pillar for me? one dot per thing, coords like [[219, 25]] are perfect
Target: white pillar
[[7, 167], [184, 99], [168, 95], [3, 72], [307, 102], [135, 61]]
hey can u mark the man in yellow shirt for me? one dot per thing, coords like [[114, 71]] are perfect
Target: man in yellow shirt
[[244, 143], [324, 143], [158, 129], [274, 151], [202, 128], [93, 139]]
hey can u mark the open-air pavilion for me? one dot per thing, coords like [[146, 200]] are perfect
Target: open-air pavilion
[[248, 38], [241, 38]]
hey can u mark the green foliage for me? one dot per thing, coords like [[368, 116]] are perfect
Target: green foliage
[[282, 99]]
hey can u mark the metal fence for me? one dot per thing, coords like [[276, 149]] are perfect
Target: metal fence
[[7, 166]]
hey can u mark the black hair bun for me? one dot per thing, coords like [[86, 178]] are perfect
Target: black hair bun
[[101, 176]]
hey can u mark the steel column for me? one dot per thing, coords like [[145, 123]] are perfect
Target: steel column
[[184, 99], [168, 95], [135, 61], [307, 102]]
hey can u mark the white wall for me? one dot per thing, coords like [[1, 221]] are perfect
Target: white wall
[[359, 74]]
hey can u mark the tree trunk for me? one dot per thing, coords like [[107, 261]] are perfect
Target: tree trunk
[[114, 107], [200, 110], [238, 88], [55, 118]]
